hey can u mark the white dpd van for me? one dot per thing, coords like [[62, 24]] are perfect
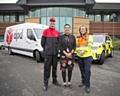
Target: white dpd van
[[25, 39]]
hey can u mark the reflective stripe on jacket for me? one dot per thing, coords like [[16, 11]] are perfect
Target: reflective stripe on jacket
[[84, 43]]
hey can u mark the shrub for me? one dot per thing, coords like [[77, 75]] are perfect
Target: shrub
[[116, 45]]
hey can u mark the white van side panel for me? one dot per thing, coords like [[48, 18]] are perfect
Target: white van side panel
[[22, 52]]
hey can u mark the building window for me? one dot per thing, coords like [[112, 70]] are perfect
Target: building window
[[62, 23], [50, 11], [98, 18], [44, 20], [32, 12], [118, 18], [12, 18], [69, 21], [63, 11], [21, 18], [106, 18], [62, 15], [37, 12], [91, 17], [56, 11], [1, 18], [82, 12], [1, 37], [76, 12], [43, 12], [57, 23], [6, 18], [48, 18], [69, 12]]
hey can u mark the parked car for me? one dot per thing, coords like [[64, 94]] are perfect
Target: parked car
[[102, 47], [2, 44]]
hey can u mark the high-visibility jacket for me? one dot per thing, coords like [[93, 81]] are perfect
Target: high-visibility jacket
[[84, 42]]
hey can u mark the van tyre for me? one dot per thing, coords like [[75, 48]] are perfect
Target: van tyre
[[10, 51], [38, 57], [112, 53], [102, 58], [2, 47]]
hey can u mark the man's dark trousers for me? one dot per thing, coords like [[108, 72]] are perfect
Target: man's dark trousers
[[85, 66], [50, 60]]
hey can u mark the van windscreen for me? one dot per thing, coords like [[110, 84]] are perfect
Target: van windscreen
[[38, 32]]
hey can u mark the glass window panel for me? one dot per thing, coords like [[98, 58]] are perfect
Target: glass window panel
[[32, 12], [37, 12], [43, 12], [6, 18], [69, 21], [69, 12], [76, 12], [118, 18], [97, 18], [56, 11], [1, 18], [50, 11], [48, 20], [21, 18], [57, 23], [12, 18], [26, 16], [62, 11], [44, 20], [62, 23], [82, 12], [91, 16], [2, 37], [106, 17]]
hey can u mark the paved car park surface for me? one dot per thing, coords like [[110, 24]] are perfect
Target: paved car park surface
[[22, 76]]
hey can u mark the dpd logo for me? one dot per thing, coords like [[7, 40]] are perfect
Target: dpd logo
[[9, 36]]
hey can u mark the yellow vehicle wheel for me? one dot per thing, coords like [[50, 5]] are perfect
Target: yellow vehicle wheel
[[112, 52], [102, 58]]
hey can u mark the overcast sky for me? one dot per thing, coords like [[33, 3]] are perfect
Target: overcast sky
[[8, 1], [97, 1], [107, 1]]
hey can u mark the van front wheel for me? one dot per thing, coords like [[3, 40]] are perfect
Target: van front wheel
[[38, 57]]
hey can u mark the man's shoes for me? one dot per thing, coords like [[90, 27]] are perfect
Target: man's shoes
[[45, 88], [87, 90], [81, 85], [57, 83]]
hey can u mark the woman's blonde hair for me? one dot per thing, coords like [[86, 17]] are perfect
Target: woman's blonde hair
[[82, 26]]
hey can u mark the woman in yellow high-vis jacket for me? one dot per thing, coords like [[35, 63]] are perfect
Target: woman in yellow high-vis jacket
[[83, 50]]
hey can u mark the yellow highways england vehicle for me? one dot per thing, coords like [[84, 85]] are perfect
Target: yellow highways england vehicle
[[102, 47]]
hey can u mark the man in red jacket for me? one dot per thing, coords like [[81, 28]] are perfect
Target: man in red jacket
[[49, 43]]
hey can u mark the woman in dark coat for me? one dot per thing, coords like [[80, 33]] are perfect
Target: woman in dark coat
[[67, 45]]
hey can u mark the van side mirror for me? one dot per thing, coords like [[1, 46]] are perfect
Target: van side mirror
[[32, 37]]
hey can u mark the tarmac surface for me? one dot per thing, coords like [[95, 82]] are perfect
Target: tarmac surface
[[22, 76]]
